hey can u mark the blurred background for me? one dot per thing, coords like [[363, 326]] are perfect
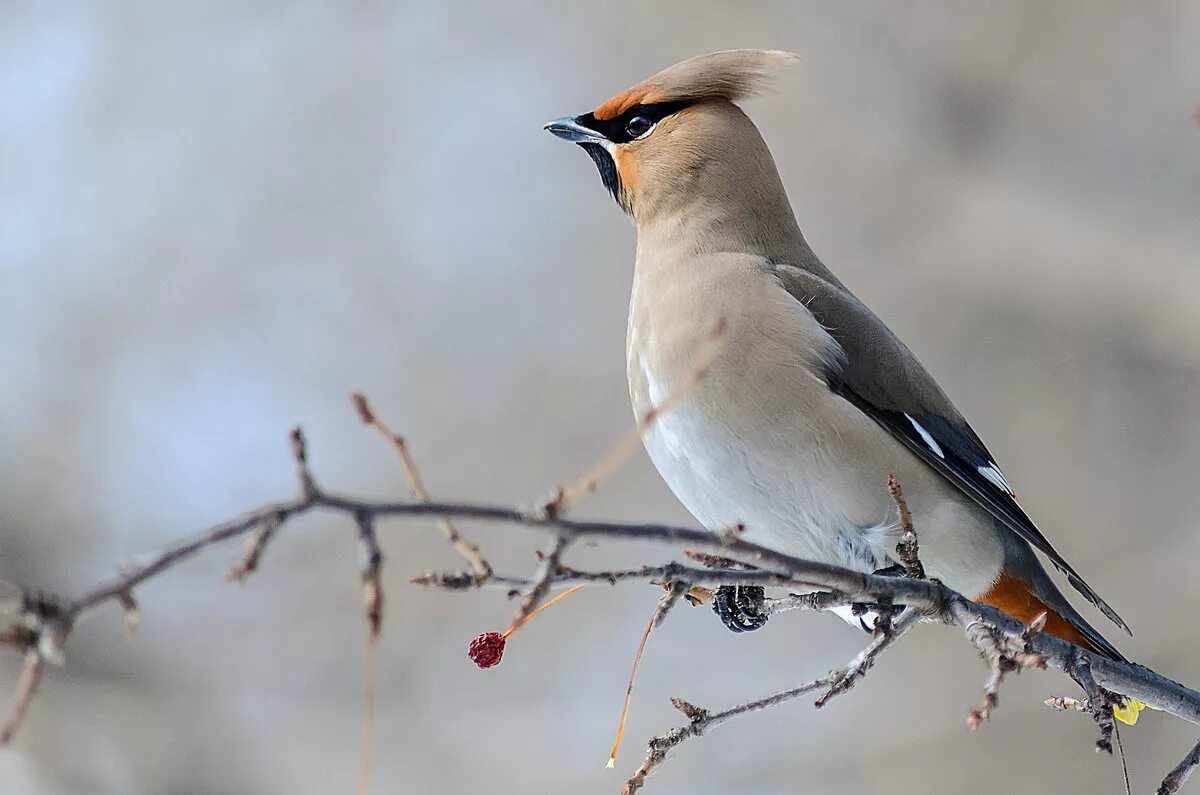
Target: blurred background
[[218, 219]]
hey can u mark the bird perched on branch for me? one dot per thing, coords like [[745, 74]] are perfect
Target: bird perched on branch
[[812, 401]]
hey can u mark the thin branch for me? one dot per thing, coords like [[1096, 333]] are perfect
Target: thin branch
[[45, 624], [541, 583], [1080, 669], [132, 617], [850, 674], [815, 600], [701, 720], [27, 686], [308, 486], [1004, 653], [480, 567], [372, 573], [908, 549], [565, 499], [1124, 678], [1179, 776], [256, 544]]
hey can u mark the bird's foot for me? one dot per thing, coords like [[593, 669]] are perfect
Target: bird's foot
[[872, 615], [742, 608]]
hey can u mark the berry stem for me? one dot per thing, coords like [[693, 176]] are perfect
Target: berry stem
[[522, 622]]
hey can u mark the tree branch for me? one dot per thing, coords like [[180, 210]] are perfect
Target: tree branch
[[1177, 777], [44, 624], [836, 682]]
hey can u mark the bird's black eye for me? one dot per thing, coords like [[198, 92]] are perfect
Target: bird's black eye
[[638, 126]]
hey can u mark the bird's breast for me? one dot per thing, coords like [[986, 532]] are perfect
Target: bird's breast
[[753, 441], [762, 441]]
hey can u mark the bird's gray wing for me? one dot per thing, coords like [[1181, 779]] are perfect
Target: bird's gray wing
[[884, 380]]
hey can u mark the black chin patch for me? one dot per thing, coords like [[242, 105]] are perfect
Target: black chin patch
[[606, 167]]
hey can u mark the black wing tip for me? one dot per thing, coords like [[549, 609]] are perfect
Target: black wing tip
[[1079, 585], [1010, 514], [1103, 647]]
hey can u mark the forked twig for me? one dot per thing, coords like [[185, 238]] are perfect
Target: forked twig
[[45, 624], [1004, 653], [701, 720]]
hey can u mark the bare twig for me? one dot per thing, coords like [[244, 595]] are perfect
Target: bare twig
[[816, 600], [908, 549], [45, 624], [132, 617], [1004, 653], [846, 677], [480, 567], [1068, 704], [565, 499], [1179, 776], [308, 486], [256, 544], [937, 600], [27, 685], [1080, 669], [372, 583], [701, 720], [372, 572], [541, 583]]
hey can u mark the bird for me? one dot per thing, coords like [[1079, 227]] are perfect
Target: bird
[[811, 400]]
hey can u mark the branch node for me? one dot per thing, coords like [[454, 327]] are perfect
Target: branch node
[[256, 544], [690, 710]]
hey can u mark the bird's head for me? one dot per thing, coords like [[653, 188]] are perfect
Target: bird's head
[[678, 136]]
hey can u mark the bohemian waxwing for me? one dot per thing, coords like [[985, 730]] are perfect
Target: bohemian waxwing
[[811, 401]]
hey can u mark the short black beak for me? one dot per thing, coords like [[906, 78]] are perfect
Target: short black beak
[[571, 130]]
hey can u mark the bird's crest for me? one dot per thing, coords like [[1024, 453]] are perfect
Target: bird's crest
[[729, 75]]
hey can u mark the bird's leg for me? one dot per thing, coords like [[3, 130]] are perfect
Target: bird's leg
[[742, 608]]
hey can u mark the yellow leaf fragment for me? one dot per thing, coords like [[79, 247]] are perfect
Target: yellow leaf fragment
[[1127, 711]]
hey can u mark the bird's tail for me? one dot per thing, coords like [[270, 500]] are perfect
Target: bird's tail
[[1025, 596]]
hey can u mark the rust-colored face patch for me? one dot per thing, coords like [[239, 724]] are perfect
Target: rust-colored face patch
[[625, 159], [638, 95], [1013, 598]]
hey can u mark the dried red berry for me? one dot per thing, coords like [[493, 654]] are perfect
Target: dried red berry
[[487, 649]]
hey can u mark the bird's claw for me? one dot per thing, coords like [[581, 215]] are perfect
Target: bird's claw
[[742, 608]]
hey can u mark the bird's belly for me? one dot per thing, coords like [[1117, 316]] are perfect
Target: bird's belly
[[810, 480], [725, 479]]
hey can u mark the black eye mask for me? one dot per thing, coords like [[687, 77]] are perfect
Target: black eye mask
[[617, 129]]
